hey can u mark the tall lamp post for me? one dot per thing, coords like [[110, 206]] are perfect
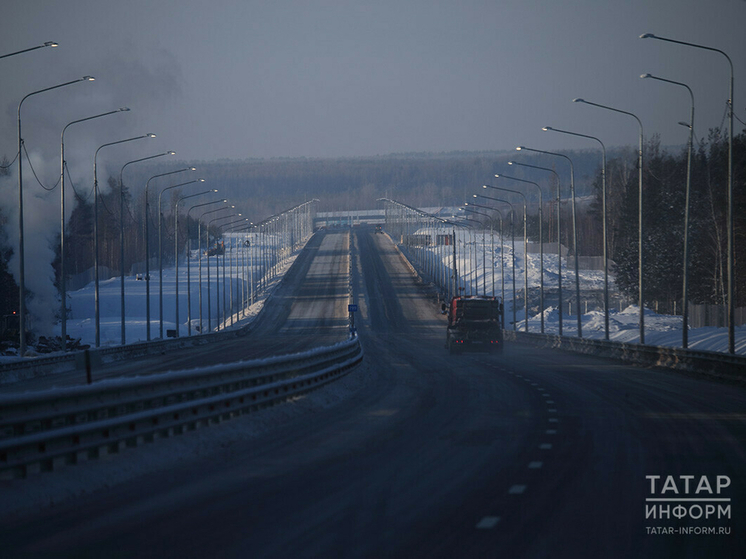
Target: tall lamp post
[[525, 247], [63, 164], [640, 255], [199, 247], [685, 271], [189, 267], [47, 44], [466, 247], [603, 219], [512, 241], [97, 312], [559, 236], [217, 274], [484, 248], [121, 229], [502, 261], [729, 225], [21, 258], [160, 251], [176, 248], [541, 243], [224, 228], [147, 244], [574, 228]]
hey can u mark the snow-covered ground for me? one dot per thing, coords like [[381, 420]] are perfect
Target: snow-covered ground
[[475, 250], [81, 321]]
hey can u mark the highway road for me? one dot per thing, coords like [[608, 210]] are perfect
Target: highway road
[[532, 453]]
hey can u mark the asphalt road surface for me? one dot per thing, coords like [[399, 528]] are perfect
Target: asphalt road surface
[[532, 453]]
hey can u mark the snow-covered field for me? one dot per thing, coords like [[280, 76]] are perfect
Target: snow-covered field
[[81, 322], [475, 250]]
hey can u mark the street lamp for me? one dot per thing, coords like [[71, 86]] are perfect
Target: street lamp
[[685, 271], [574, 229], [147, 244], [47, 44], [199, 248], [63, 163], [121, 227], [245, 260], [217, 274], [21, 259], [729, 225], [512, 241], [189, 267], [559, 234], [469, 251], [525, 247], [541, 243], [640, 256], [484, 251], [160, 251], [603, 219], [475, 259], [502, 260], [95, 230], [176, 248], [230, 225]]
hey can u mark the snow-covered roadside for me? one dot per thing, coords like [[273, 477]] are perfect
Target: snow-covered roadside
[[624, 326], [81, 322], [475, 251]]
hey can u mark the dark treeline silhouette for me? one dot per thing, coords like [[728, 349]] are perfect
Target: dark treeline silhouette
[[261, 188], [664, 182]]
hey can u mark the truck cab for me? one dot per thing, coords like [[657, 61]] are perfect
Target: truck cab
[[475, 324]]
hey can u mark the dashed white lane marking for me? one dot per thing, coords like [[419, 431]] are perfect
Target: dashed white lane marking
[[551, 431], [552, 410], [545, 446], [550, 401], [516, 490], [553, 420], [488, 522], [535, 465], [546, 395]]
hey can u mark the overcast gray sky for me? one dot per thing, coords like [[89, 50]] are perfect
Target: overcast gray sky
[[324, 78]]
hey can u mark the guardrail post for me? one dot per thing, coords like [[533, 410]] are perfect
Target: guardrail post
[[87, 357]]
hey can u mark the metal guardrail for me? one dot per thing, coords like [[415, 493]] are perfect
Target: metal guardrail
[[43, 431], [67, 361], [711, 363]]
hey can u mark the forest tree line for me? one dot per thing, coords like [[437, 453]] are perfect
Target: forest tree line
[[260, 188], [664, 196]]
